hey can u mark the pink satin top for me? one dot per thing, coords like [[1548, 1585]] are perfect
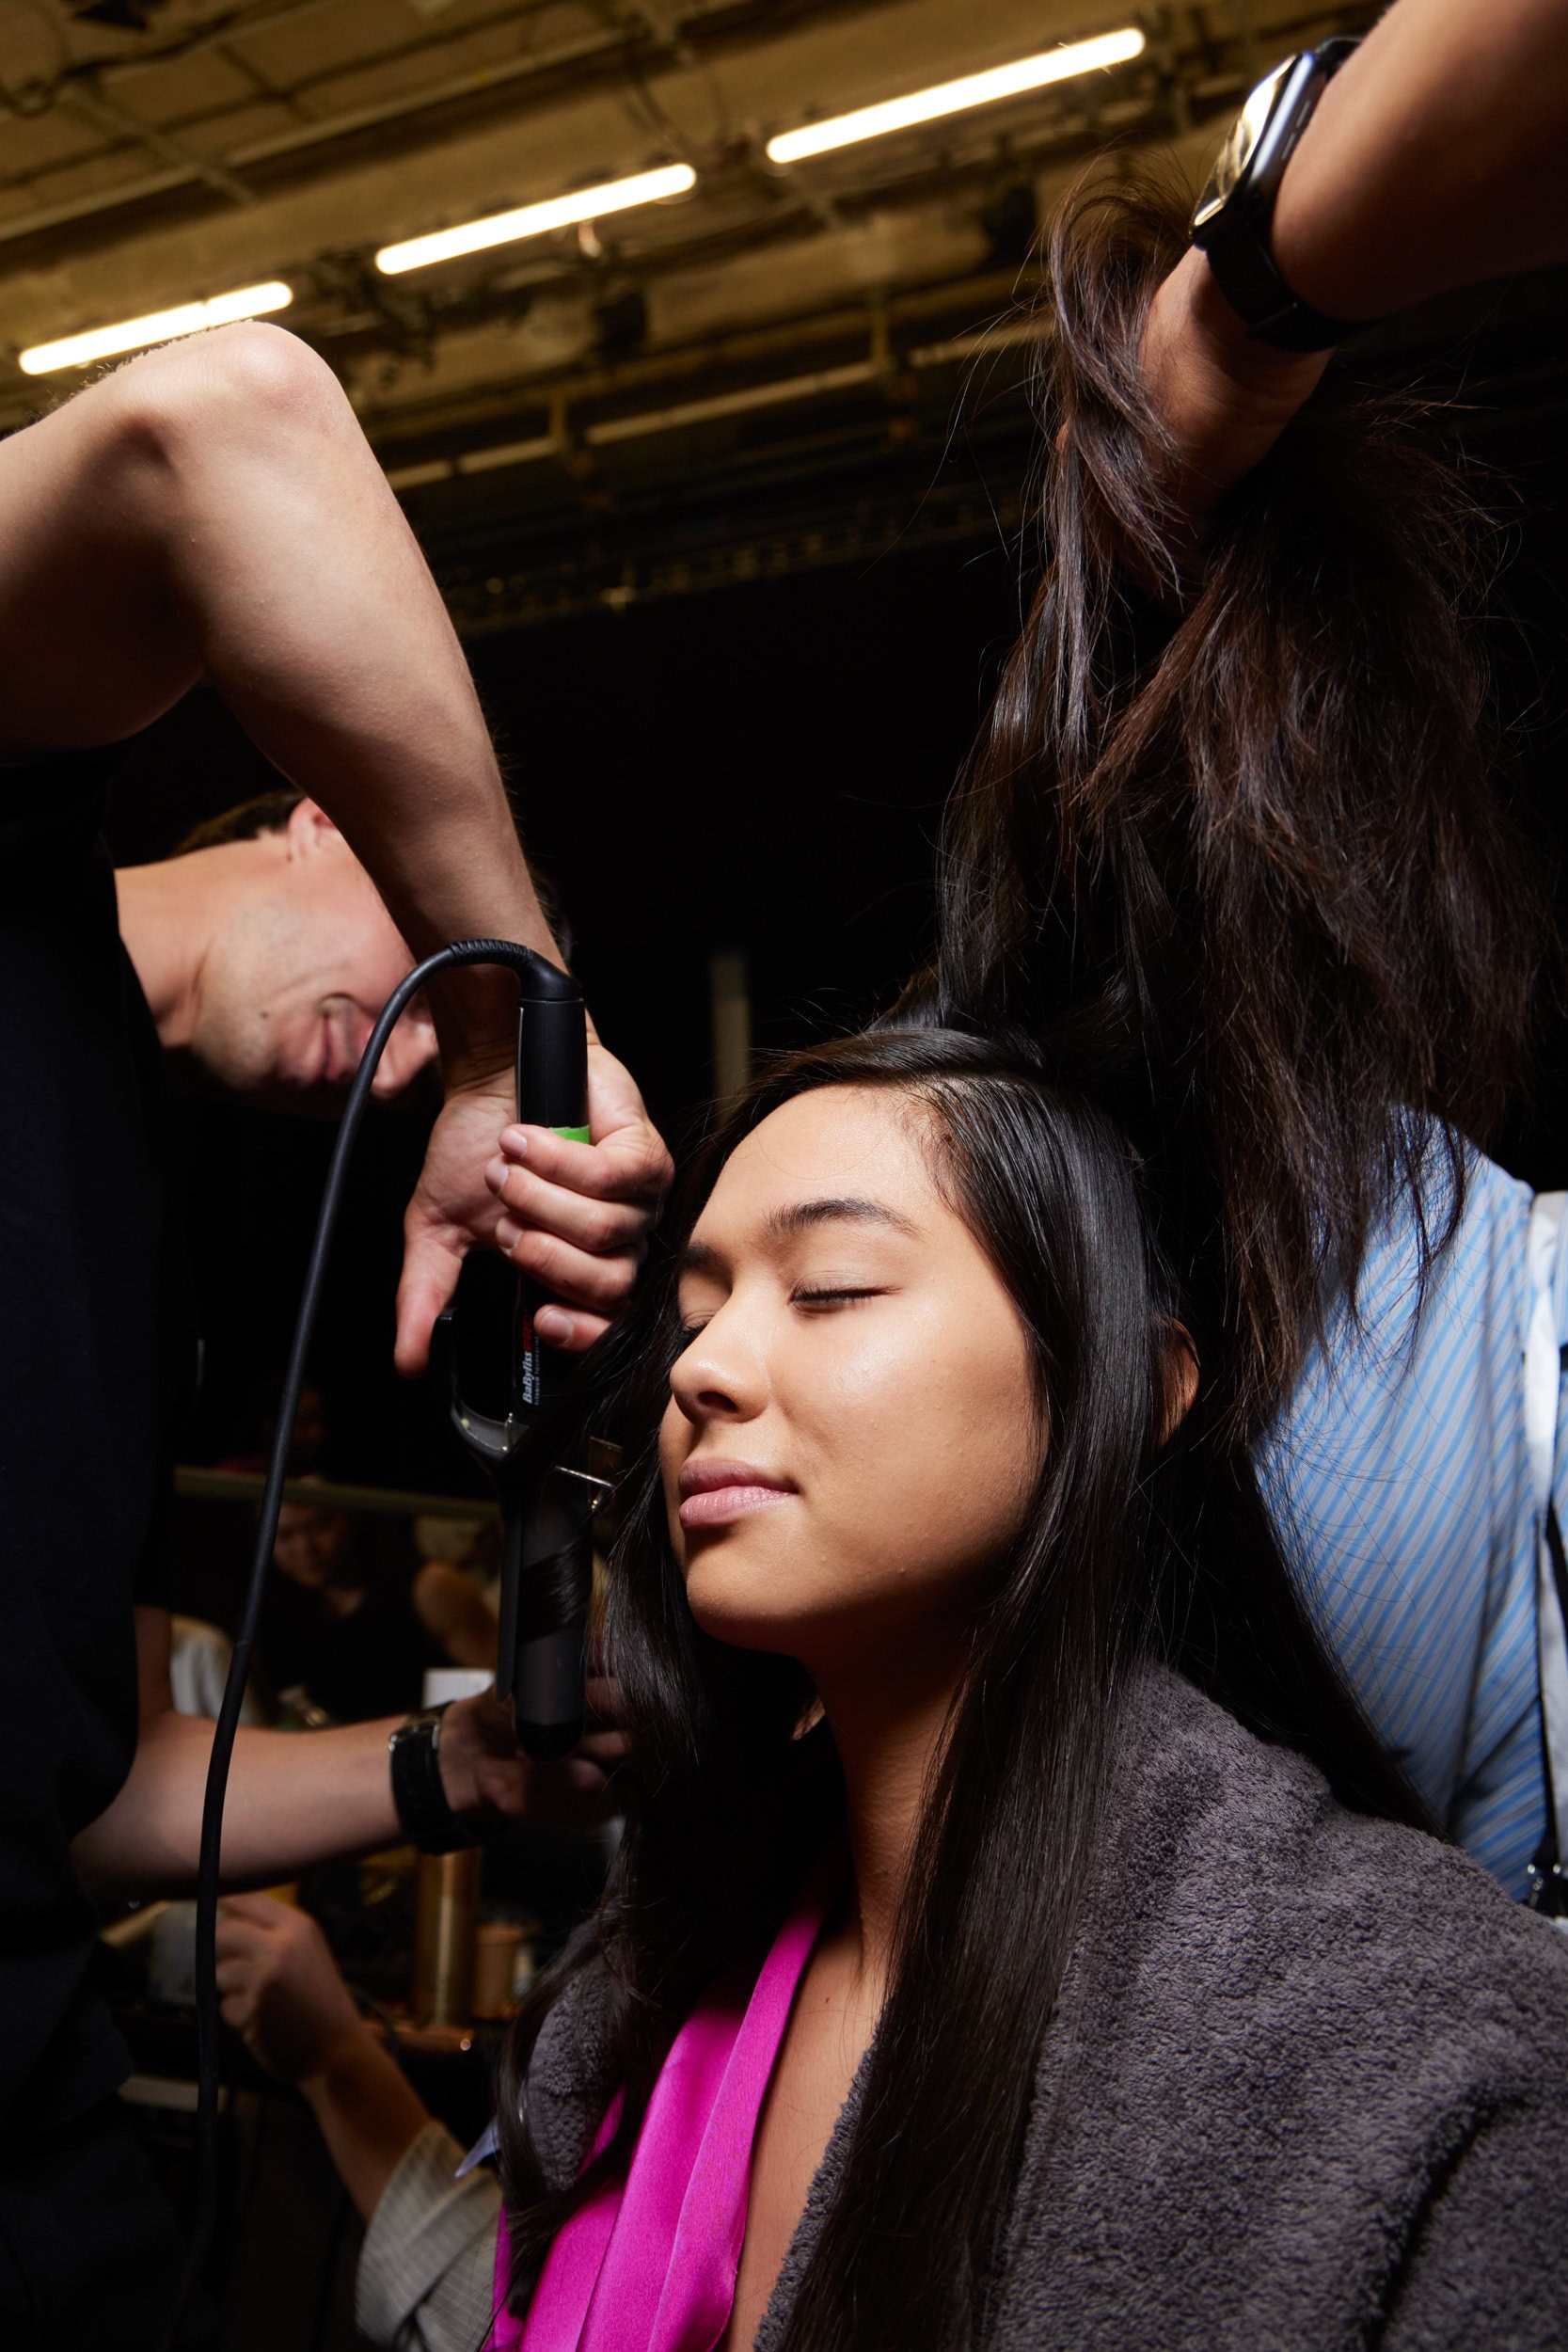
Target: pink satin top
[[649, 2264]]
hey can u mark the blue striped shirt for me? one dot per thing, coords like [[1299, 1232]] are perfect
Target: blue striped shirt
[[1399, 1481]]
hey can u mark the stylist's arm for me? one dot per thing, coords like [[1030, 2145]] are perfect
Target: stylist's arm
[[212, 509], [295, 1801]]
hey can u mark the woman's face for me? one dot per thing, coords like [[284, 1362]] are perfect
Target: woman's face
[[851, 1434], [311, 1546]]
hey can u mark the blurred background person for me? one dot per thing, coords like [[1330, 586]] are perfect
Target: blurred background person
[[285, 1995], [471, 1546], [357, 1638]]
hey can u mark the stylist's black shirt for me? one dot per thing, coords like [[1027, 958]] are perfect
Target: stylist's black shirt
[[88, 1355]]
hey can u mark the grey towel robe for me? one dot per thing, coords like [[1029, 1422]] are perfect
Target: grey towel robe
[[1307, 2088]]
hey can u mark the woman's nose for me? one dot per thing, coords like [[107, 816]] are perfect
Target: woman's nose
[[721, 1375]]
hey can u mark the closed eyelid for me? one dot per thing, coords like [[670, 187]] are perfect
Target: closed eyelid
[[816, 1276], [706, 1281], [792, 1250]]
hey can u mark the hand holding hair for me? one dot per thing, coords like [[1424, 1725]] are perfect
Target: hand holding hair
[[1435, 160], [482, 1771], [1224, 400]]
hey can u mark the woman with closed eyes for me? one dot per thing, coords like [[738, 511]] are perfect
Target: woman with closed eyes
[[1014, 1941]]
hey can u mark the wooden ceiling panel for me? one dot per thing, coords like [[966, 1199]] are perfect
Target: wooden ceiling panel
[[239, 127], [94, 167], [35, 143]]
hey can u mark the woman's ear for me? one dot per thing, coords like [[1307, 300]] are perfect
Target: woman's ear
[[1177, 1378]]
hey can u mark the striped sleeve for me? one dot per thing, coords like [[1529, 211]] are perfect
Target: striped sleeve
[[428, 2264], [1399, 1481]]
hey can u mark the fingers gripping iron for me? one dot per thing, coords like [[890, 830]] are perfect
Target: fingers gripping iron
[[548, 1510]]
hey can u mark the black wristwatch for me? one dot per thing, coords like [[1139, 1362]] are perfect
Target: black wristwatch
[[418, 1792], [1233, 221]]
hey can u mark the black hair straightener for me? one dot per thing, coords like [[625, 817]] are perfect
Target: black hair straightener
[[548, 1508]]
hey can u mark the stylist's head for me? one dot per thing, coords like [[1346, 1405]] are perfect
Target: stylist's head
[[267, 954]]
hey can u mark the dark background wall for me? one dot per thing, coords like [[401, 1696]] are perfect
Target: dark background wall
[[763, 767]]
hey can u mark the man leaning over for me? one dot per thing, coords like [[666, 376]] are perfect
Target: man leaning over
[[211, 509]]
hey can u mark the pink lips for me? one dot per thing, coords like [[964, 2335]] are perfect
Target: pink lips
[[713, 1492]]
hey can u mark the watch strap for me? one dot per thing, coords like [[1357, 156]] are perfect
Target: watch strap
[[1237, 234], [413, 1750], [1251, 281]]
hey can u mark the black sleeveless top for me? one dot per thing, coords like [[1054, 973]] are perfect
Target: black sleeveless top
[[95, 1343]]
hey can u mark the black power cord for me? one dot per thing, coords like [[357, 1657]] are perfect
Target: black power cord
[[524, 961]]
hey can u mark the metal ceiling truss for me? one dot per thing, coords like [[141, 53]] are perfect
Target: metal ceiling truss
[[629, 40], [796, 334]]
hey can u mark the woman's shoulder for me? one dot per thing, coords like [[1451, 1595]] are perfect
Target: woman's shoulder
[[1307, 2067], [1237, 1860]]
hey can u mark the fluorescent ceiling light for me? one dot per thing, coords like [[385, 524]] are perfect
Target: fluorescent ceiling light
[[530, 221], [159, 326], [951, 98]]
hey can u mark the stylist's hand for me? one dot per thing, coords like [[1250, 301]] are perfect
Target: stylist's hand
[[282, 1988], [481, 1769], [1224, 401], [575, 1215]]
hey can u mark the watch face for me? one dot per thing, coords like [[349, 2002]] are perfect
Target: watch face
[[1239, 149]]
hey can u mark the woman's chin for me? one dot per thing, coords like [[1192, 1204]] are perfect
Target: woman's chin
[[746, 1629], [742, 1608]]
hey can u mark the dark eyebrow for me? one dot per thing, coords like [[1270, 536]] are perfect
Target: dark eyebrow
[[833, 1211], [699, 1257]]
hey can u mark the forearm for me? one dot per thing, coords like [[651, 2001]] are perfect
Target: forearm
[[369, 2114], [1437, 158], [295, 1799], [298, 1798]]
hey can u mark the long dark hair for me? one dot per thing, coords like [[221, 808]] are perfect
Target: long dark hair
[[1126, 1543], [1229, 835]]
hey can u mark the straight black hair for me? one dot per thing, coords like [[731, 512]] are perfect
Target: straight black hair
[[1128, 1544]]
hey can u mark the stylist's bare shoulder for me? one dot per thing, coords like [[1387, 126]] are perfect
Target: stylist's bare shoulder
[[92, 496]]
